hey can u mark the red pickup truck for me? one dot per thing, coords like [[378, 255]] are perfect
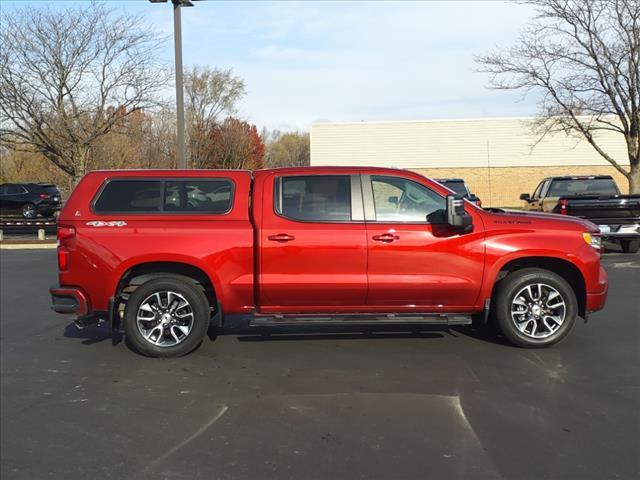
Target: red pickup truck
[[165, 251]]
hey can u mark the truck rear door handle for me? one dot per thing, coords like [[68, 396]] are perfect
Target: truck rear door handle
[[281, 237], [386, 238]]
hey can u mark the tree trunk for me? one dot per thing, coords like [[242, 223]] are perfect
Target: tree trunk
[[634, 180], [633, 148], [80, 162]]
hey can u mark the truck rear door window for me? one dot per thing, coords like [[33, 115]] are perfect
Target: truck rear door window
[[122, 196], [200, 196], [314, 198]]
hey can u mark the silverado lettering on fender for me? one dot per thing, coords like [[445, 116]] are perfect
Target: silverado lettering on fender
[[164, 251]]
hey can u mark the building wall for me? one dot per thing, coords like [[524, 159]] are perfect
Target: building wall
[[499, 158]]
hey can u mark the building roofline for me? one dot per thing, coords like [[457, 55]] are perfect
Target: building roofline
[[473, 119]]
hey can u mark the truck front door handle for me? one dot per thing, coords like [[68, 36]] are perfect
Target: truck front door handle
[[281, 237], [386, 238]]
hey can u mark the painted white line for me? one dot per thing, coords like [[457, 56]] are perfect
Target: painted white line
[[625, 265], [26, 246], [196, 434]]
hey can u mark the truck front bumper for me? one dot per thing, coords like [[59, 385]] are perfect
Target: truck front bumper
[[597, 298], [69, 300]]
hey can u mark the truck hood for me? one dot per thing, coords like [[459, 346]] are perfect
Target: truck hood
[[539, 220]]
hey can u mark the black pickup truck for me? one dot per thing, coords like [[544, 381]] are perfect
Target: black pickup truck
[[595, 198]]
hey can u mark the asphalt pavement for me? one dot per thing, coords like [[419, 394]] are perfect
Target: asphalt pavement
[[327, 405]]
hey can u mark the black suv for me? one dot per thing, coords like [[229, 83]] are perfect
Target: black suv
[[29, 199]]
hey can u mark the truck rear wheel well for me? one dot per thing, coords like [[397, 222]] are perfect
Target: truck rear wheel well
[[565, 269], [139, 274]]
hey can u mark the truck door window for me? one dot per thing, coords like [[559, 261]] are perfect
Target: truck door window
[[536, 194], [314, 198], [398, 199]]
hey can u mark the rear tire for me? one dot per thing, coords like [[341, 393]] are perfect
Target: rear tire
[[167, 317], [535, 308], [630, 246]]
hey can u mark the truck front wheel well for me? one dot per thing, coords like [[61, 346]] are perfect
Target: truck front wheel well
[[139, 274], [565, 269]]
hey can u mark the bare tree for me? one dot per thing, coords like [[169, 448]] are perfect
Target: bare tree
[[584, 56], [61, 71], [210, 93]]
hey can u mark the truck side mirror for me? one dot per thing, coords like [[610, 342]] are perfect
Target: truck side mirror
[[525, 196], [456, 214]]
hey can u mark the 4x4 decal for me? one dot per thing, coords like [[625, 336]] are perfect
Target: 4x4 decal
[[99, 223]]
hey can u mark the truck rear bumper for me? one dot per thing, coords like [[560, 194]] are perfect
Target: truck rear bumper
[[69, 300], [620, 231]]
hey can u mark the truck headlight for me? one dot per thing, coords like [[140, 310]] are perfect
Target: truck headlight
[[593, 239]]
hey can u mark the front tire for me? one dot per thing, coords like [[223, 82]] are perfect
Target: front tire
[[630, 246], [535, 307], [167, 317]]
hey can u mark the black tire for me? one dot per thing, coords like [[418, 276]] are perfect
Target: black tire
[[29, 211], [198, 305], [512, 285], [630, 246]]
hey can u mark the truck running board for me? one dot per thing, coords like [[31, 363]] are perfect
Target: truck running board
[[448, 319]]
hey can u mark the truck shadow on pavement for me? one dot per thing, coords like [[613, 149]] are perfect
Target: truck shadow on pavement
[[102, 332], [244, 333], [94, 334]]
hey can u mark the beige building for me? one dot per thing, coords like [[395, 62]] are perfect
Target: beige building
[[498, 157]]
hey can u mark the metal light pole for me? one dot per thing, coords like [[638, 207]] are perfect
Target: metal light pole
[[181, 150]]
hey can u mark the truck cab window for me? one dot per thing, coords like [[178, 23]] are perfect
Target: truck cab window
[[398, 199], [536, 193], [317, 198]]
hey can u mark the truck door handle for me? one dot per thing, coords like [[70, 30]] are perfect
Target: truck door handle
[[281, 237], [386, 238]]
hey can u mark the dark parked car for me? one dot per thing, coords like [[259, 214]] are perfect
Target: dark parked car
[[458, 186], [29, 199]]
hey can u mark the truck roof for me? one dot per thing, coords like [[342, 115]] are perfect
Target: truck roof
[[580, 177], [205, 172]]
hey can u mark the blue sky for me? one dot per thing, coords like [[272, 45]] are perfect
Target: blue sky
[[347, 61]]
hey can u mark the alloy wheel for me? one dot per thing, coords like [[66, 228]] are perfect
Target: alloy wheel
[[29, 211], [165, 318], [538, 310]]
